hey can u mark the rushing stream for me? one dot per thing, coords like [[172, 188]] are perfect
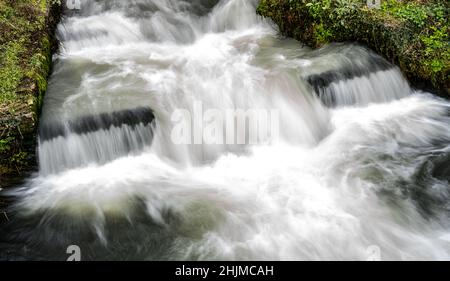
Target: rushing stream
[[361, 162]]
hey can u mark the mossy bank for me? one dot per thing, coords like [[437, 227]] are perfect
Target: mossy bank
[[26, 45], [413, 34]]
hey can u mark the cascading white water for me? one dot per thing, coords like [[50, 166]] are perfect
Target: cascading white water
[[340, 180]]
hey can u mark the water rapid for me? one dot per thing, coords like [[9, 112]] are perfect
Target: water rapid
[[361, 159]]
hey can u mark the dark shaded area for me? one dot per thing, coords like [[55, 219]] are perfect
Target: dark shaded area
[[92, 123], [374, 63], [441, 167], [428, 188], [46, 235], [323, 80], [201, 7], [351, 70]]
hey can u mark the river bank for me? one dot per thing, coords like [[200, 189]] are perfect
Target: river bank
[[411, 34], [27, 43]]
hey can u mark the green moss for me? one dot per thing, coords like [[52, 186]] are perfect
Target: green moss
[[25, 59], [11, 73], [410, 33]]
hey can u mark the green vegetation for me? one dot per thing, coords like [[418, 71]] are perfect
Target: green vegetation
[[25, 58], [414, 34], [11, 74]]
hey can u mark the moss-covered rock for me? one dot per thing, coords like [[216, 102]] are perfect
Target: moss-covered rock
[[414, 34], [26, 45]]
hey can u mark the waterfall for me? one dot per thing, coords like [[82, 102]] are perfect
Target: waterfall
[[359, 160]]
